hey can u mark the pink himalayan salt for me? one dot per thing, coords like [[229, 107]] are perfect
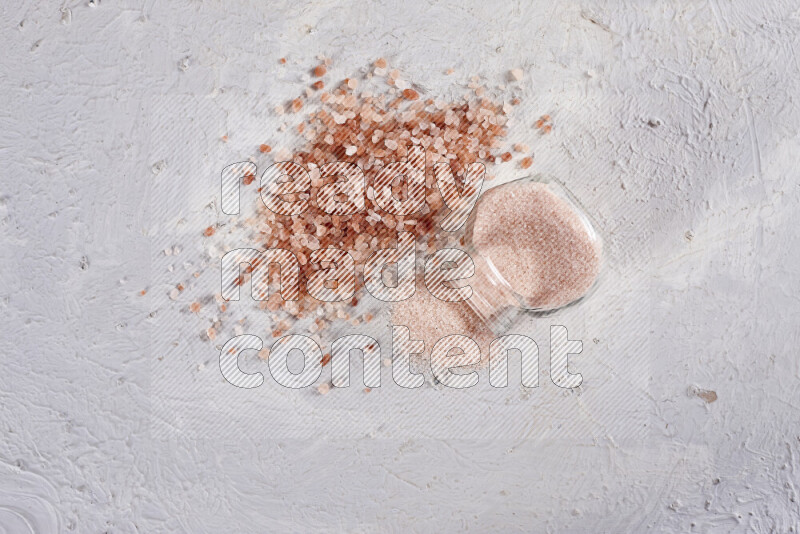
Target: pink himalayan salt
[[431, 319], [537, 242]]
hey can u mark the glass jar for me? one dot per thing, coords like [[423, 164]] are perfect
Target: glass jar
[[510, 276]]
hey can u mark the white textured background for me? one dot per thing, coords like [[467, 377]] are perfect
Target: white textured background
[[676, 124]]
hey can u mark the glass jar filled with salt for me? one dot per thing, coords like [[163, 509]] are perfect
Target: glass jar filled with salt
[[534, 249]]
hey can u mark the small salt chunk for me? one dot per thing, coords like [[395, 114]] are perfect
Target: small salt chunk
[[283, 154], [350, 150], [515, 74], [173, 294]]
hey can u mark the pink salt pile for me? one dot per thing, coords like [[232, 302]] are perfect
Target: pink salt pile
[[537, 242], [371, 120], [431, 319]]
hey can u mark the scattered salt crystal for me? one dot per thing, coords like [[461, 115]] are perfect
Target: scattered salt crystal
[[283, 154]]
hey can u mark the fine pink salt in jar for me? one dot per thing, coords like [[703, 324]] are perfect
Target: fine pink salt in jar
[[533, 247]]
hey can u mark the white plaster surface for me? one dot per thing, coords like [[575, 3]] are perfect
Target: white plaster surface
[[676, 125]]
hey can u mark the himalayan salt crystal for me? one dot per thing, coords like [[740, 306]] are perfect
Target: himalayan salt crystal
[[410, 94], [545, 250], [380, 63], [526, 162], [515, 74], [320, 70]]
